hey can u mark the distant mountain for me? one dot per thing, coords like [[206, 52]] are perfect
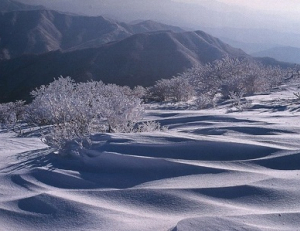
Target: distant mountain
[[9, 5], [263, 37], [39, 31], [249, 48], [285, 54], [140, 59], [267, 61]]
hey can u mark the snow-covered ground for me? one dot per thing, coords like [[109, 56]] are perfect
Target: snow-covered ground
[[212, 170]]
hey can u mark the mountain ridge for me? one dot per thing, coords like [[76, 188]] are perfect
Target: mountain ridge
[[286, 53], [140, 59], [40, 45], [39, 31]]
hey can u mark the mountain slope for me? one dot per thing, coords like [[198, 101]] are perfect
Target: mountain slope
[[286, 54], [27, 32], [39, 31], [140, 59]]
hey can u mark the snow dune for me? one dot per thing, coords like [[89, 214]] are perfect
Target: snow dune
[[211, 170]]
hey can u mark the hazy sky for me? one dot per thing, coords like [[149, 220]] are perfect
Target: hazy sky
[[271, 5], [281, 8]]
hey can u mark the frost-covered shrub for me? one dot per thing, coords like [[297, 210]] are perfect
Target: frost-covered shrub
[[159, 92], [242, 76], [67, 138], [139, 92], [53, 104], [238, 101], [11, 114], [204, 101], [175, 89], [74, 111], [150, 126], [64, 101], [122, 111]]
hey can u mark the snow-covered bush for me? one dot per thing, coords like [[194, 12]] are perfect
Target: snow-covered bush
[[74, 111], [242, 76], [238, 101], [139, 92], [204, 101], [53, 104], [150, 126], [66, 137], [122, 110], [221, 77], [11, 114], [175, 89]]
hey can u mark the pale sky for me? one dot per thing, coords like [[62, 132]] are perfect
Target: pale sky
[[263, 4], [289, 7], [274, 14], [276, 5]]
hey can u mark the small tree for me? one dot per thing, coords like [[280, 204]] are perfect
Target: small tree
[[176, 89], [139, 92], [11, 114]]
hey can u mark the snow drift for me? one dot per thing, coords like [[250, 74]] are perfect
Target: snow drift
[[211, 170]]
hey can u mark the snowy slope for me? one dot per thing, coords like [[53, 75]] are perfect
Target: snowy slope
[[212, 170]]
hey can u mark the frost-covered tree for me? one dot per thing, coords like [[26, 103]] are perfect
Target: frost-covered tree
[[139, 92], [11, 114], [175, 89]]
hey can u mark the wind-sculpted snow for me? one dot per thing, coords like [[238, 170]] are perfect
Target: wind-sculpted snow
[[211, 170]]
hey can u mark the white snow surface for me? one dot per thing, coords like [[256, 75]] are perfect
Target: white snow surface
[[212, 170]]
